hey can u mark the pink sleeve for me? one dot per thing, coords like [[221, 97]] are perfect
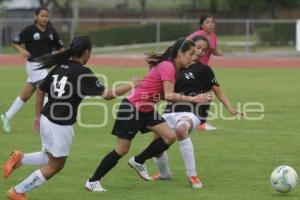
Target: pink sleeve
[[167, 72]]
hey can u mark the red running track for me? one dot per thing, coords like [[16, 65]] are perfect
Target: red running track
[[130, 61]]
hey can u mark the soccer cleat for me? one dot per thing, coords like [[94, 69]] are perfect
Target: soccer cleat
[[13, 195], [12, 163], [140, 169], [206, 127], [195, 182], [94, 186], [158, 176], [5, 123]]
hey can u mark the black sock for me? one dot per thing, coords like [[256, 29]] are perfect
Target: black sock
[[156, 147], [203, 112], [107, 163]]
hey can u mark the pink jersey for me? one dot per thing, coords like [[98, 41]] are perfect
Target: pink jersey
[[150, 91], [212, 44]]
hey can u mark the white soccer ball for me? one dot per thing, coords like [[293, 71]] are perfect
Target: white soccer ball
[[284, 178]]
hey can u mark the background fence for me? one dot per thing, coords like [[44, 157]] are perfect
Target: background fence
[[234, 35]]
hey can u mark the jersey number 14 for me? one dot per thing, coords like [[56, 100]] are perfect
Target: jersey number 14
[[59, 86]]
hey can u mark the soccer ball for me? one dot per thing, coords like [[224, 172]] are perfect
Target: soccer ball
[[284, 178]]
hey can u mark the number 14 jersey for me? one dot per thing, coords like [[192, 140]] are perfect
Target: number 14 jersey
[[66, 85]]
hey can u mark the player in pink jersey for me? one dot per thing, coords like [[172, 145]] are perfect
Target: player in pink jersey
[[137, 112], [207, 27]]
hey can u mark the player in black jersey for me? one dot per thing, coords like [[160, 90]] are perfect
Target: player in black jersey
[[184, 117], [198, 78], [39, 40], [66, 85]]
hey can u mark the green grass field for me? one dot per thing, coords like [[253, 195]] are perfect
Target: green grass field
[[234, 162]]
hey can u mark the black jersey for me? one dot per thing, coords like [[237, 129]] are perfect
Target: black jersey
[[39, 43], [66, 86], [197, 79]]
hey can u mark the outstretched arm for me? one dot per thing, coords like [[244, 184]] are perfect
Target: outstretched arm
[[170, 95], [222, 97], [112, 93]]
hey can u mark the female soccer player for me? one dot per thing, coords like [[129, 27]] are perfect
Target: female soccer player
[[39, 40], [197, 79], [137, 112], [207, 28], [66, 85]]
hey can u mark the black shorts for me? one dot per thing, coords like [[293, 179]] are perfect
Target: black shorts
[[129, 121]]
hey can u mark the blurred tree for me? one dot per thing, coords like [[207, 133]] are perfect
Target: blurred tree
[[256, 6], [65, 9], [213, 5]]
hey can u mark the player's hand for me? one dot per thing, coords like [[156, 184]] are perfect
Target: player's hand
[[197, 54], [135, 81], [25, 54], [204, 97], [235, 112], [36, 125]]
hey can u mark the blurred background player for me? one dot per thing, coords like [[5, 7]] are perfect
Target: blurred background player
[[137, 112], [183, 117], [39, 40], [207, 29], [66, 85]]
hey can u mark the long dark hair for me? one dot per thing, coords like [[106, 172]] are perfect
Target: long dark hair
[[40, 9], [77, 48], [200, 37], [203, 18], [171, 53]]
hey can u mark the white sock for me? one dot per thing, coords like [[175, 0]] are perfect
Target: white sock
[[14, 108], [162, 164], [187, 153], [37, 158], [34, 180]]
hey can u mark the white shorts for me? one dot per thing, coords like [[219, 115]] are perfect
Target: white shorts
[[33, 74], [173, 118], [56, 139]]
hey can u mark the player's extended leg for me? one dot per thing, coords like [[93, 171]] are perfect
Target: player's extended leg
[[156, 147], [107, 163], [162, 163], [203, 113], [183, 127], [16, 106], [18, 158], [37, 178]]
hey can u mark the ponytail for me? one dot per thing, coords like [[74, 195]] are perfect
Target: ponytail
[[57, 59], [77, 48], [171, 53]]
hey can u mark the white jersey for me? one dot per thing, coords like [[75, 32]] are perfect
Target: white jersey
[[173, 118], [33, 74]]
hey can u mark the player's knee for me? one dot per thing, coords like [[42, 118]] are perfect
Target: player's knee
[[122, 151], [170, 139], [182, 130]]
